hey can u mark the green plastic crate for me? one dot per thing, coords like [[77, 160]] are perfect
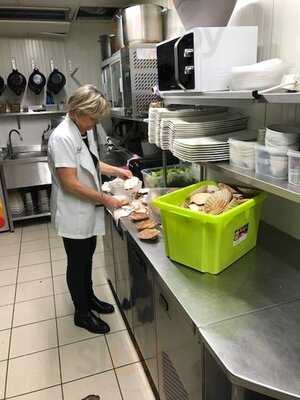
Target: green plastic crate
[[208, 243]]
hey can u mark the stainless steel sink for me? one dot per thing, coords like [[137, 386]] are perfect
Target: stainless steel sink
[[26, 152], [26, 167], [29, 154]]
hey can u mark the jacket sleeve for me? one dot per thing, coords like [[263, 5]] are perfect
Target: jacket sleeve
[[63, 152]]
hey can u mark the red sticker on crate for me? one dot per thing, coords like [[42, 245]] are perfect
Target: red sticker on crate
[[240, 234]]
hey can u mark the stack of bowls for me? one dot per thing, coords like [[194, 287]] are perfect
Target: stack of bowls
[[282, 137]]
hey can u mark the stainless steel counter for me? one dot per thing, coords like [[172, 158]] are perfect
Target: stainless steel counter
[[243, 314]]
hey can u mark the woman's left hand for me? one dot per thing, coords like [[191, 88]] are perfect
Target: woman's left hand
[[124, 173]]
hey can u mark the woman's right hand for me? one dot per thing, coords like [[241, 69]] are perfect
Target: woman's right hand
[[111, 203]]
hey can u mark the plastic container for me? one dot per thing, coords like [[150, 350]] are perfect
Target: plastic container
[[294, 167], [242, 154], [208, 243], [271, 162], [177, 176]]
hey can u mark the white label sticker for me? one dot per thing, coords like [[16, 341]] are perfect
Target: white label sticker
[[240, 235], [146, 54]]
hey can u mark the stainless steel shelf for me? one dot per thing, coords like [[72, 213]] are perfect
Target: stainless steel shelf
[[278, 188], [188, 98], [31, 216], [135, 119], [30, 114]]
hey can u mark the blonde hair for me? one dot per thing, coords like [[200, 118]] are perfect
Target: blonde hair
[[88, 100]]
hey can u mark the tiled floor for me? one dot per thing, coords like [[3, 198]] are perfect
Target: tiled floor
[[43, 356]]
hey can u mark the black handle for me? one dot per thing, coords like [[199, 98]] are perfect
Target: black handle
[[163, 302]]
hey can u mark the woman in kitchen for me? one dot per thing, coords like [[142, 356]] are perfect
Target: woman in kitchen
[[77, 201]]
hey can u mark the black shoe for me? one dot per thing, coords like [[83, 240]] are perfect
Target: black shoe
[[91, 323], [101, 307]]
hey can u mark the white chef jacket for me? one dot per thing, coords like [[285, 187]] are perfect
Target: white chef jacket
[[73, 217]]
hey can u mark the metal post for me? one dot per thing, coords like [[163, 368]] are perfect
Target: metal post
[[237, 393], [164, 163]]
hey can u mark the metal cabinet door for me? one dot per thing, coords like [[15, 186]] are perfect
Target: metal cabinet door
[[180, 370], [123, 289], [142, 297], [108, 250]]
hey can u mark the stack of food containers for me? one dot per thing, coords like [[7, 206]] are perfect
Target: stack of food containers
[[272, 159]]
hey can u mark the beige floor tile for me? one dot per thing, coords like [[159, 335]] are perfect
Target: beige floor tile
[[89, 357], [37, 245], [34, 289], [34, 235], [115, 321], [6, 317], [99, 248], [8, 277], [60, 284], [4, 344], [33, 311], [33, 338], [58, 254], [9, 262], [54, 393], [9, 250], [37, 257], [59, 267], [98, 260], [104, 385], [7, 295], [3, 368], [56, 242], [36, 227], [64, 305], [10, 240], [134, 383], [70, 333], [99, 276], [41, 371], [121, 349], [34, 272], [103, 292]]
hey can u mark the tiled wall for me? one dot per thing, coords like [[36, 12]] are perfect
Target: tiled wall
[[81, 48]]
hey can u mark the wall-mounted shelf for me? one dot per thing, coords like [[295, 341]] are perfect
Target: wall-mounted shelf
[[188, 98], [20, 115], [31, 114], [278, 188]]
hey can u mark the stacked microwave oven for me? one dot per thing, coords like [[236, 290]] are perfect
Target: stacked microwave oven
[[128, 78], [201, 59]]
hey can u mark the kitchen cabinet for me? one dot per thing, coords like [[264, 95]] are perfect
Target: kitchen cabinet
[[122, 288], [180, 352], [142, 300], [108, 250]]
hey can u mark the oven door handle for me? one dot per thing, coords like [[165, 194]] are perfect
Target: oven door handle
[[176, 64]]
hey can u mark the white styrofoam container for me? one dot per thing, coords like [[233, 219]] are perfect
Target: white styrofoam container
[[294, 167], [272, 163], [242, 154]]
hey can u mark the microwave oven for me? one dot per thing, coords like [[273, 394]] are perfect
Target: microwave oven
[[201, 59]]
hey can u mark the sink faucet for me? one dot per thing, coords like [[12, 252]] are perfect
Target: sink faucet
[[10, 151]]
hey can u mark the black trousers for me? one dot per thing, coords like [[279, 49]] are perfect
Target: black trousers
[[79, 271]]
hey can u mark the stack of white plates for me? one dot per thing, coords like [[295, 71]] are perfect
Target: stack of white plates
[[43, 201], [156, 115], [282, 137], [16, 203], [207, 149], [207, 125]]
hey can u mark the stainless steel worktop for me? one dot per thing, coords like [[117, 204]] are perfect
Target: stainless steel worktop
[[243, 313]]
